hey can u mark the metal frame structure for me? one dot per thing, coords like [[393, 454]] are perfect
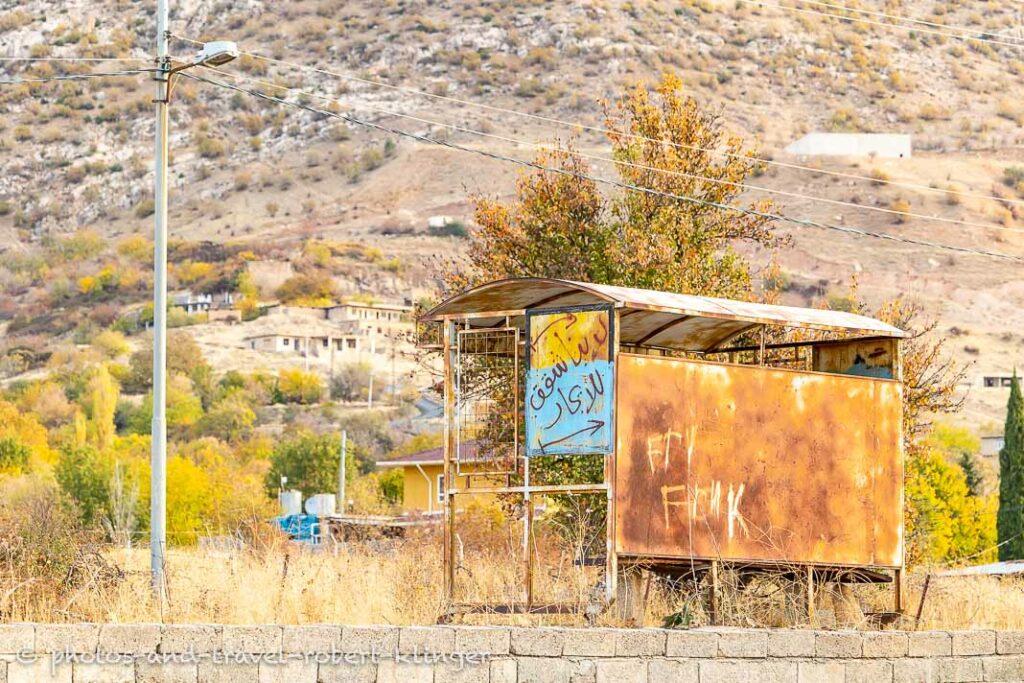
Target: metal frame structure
[[643, 322]]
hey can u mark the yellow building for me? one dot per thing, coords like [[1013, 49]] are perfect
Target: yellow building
[[424, 485]]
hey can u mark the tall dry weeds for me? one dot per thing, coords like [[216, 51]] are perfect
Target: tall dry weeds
[[51, 572]]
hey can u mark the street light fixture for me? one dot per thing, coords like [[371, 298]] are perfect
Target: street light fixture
[[214, 53]]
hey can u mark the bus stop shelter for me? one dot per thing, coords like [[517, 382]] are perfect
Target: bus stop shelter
[[733, 434]]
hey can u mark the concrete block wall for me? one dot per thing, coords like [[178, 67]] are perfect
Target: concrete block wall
[[151, 653]]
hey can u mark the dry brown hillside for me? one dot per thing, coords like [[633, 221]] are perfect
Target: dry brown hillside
[[249, 173]]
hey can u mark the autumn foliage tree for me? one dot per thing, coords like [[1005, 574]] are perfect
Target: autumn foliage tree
[[562, 225]]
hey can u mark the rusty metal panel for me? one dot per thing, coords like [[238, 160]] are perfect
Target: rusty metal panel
[[758, 464], [865, 358], [569, 387]]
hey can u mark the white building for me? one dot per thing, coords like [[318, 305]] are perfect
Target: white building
[[890, 146], [992, 444], [310, 341], [379, 319], [202, 303]]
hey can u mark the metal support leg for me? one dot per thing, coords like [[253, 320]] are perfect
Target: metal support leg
[[812, 617], [920, 605], [898, 591], [713, 601]]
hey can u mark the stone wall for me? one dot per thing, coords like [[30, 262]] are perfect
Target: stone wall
[[148, 653]]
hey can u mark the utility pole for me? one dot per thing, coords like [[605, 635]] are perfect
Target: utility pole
[[213, 54], [158, 483], [369, 395], [394, 380], [341, 471]]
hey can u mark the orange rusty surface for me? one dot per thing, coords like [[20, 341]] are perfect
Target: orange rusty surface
[[762, 464]]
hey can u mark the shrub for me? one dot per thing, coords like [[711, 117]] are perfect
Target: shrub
[[209, 148], [1013, 175], [308, 289], [83, 475], [144, 208], [297, 386], [38, 535], [452, 229], [351, 382], [878, 176], [242, 180], [903, 206], [112, 343], [136, 247], [14, 456]]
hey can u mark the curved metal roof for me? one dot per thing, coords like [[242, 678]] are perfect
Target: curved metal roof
[[651, 318]]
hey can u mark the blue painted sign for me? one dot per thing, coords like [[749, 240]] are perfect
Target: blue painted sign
[[569, 382]]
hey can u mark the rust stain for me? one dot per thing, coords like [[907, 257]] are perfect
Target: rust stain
[[752, 463]]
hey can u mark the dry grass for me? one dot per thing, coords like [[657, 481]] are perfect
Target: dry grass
[[52, 571], [399, 582]]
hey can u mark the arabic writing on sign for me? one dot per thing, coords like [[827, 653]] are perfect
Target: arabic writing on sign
[[569, 383]]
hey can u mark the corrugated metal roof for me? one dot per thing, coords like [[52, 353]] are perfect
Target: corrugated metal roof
[[651, 318], [430, 456], [994, 569]]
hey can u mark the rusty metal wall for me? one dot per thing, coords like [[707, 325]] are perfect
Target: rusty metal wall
[[750, 463]]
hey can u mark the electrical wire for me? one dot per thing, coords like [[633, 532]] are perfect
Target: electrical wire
[[897, 17], [554, 123], [801, 222], [620, 162], [75, 77], [871, 22], [74, 59]]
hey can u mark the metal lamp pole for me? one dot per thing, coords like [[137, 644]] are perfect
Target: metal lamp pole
[[158, 487], [213, 53]]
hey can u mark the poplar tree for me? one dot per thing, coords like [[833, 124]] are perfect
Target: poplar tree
[[1010, 521]]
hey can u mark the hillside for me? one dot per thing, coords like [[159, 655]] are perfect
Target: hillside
[[261, 178]]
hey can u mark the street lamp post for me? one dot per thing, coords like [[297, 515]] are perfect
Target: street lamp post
[[212, 54]]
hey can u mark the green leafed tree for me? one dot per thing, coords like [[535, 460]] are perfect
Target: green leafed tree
[[1010, 521], [310, 461], [84, 474]]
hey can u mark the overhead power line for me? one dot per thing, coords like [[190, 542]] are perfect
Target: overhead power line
[[555, 123], [621, 162], [871, 22], [75, 59], [801, 222], [74, 77], [896, 17]]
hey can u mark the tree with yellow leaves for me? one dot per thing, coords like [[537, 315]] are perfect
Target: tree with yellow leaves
[[102, 398], [561, 225], [26, 444]]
